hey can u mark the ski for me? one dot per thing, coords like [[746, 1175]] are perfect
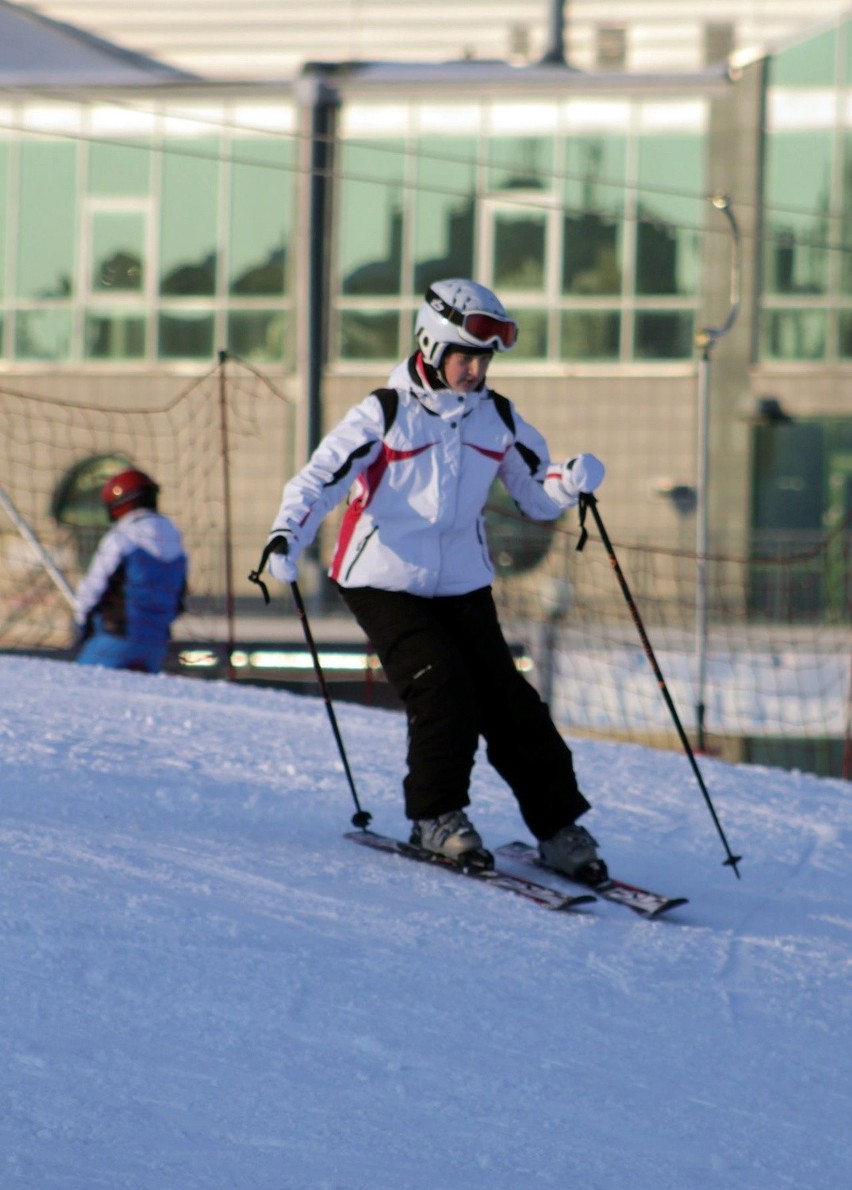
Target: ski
[[641, 900], [530, 890]]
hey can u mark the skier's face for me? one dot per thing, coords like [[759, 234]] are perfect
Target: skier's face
[[464, 371]]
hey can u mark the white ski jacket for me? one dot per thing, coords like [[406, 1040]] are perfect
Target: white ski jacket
[[422, 461]]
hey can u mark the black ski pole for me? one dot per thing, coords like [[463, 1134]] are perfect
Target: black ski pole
[[361, 818], [587, 500]]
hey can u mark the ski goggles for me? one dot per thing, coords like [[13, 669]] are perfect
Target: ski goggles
[[479, 326]]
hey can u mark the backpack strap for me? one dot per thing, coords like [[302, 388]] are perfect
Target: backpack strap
[[388, 398], [504, 407]]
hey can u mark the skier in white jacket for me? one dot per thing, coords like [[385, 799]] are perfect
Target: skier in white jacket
[[411, 562]]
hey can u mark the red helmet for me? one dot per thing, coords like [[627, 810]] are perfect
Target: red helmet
[[127, 490]]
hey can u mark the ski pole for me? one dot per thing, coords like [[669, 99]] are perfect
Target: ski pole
[[587, 500], [361, 818]]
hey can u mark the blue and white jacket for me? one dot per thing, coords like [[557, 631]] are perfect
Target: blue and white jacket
[[422, 460], [135, 585]]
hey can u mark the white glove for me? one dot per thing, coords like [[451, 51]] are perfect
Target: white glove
[[282, 563], [581, 474]]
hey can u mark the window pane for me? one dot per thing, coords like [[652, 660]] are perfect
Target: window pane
[[795, 334], [593, 195], [809, 64], [369, 336], [115, 336], [261, 216], [118, 249], [185, 336], [590, 335], [43, 334], [520, 239], [671, 212], [119, 169], [188, 218], [444, 207], [845, 334], [846, 205], [47, 236], [663, 334], [371, 206], [4, 157], [532, 335], [257, 334], [798, 189], [520, 163]]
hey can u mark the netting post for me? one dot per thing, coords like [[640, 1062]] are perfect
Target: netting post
[[228, 527]]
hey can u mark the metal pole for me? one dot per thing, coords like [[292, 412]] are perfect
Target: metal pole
[[705, 340]]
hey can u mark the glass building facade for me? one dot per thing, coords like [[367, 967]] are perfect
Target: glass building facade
[[145, 235]]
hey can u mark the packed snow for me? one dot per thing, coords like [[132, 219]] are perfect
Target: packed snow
[[204, 985]]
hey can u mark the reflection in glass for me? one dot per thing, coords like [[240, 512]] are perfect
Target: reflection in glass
[[118, 245], [532, 335], [370, 336], [43, 334], [119, 169], [798, 189], [844, 335], [670, 207], [114, 336], [371, 207], [188, 218], [47, 236], [519, 250], [261, 216], [444, 207], [257, 334], [795, 334], [520, 163], [593, 224], [663, 334], [590, 335], [185, 335]]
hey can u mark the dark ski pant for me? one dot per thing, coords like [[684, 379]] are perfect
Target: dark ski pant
[[448, 661]]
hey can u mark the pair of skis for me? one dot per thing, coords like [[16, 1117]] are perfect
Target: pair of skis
[[641, 900]]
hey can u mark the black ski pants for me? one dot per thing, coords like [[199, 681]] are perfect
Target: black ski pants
[[448, 661]]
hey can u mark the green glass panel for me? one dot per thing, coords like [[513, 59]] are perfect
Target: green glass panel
[[670, 207], [444, 209], [370, 336], [188, 218], [371, 208], [43, 334], [520, 247], [811, 63], [593, 224], [261, 216], [845, 334], [795, 334], [520, 163], [4, 223], [845, 38], [184, 335], [590, 335], [663, 334], [119, 169], [846, 225], [118, 252], [114, 336], [257, 334], [798, 191], [46, 232], [532, 335]]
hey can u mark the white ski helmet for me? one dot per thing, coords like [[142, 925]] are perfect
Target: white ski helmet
[[458, 313]]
